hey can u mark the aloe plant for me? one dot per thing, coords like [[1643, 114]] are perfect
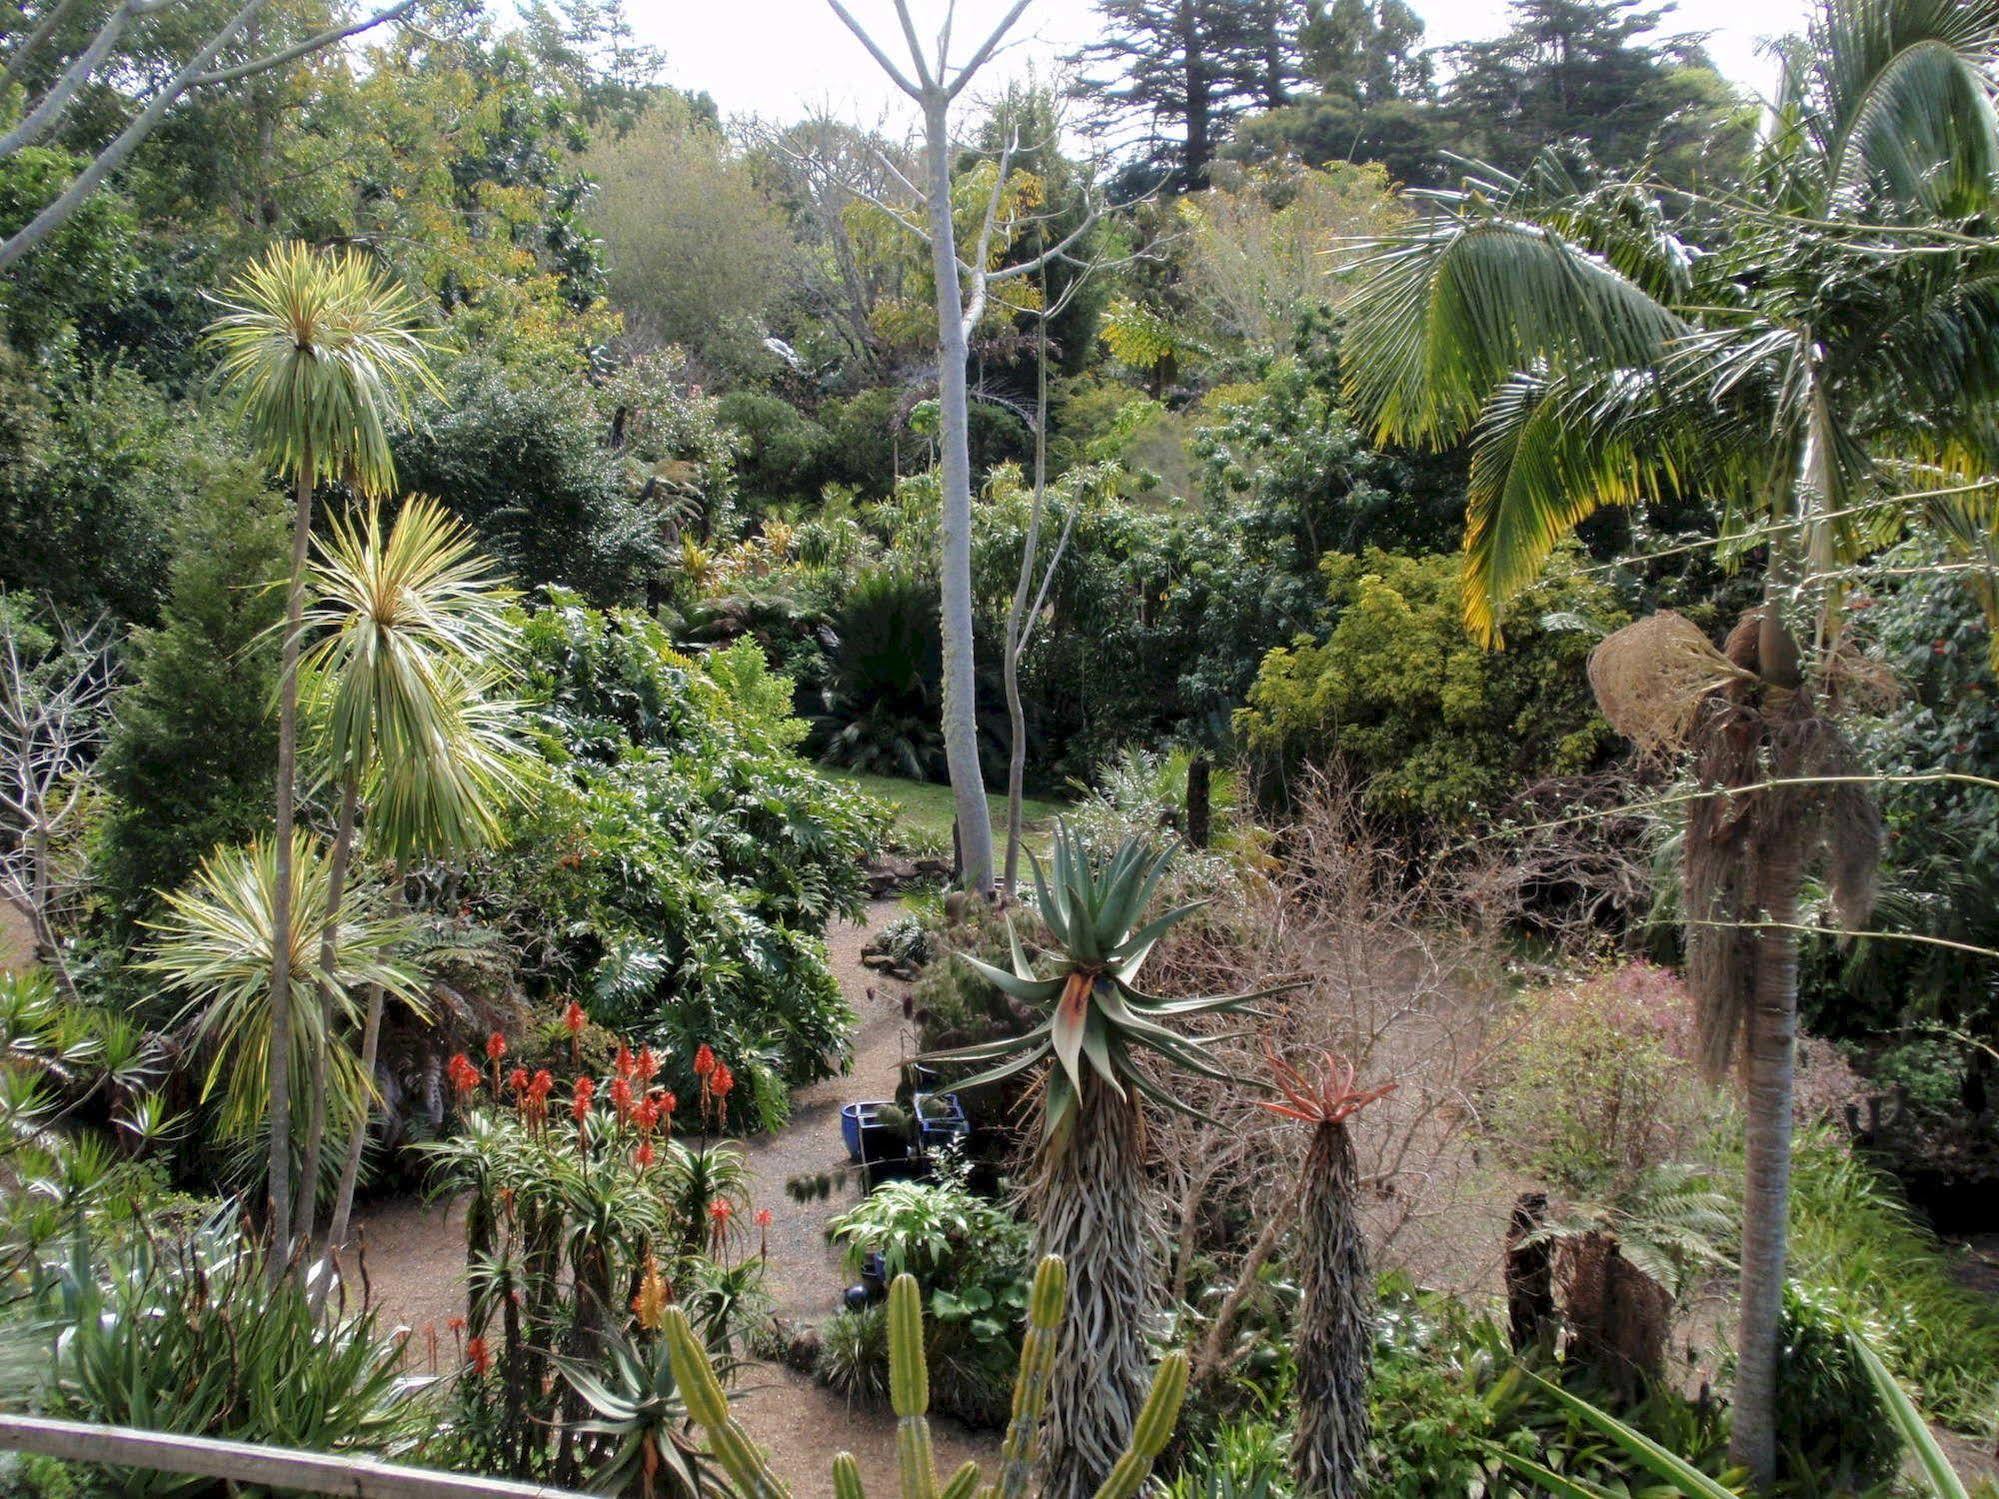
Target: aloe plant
[[909, 1394], [1094, 1203]]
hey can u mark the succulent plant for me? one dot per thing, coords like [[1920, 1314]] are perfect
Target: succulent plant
[[1096, 1013], [1093, 1201], [909, 1396], [1335, 1338]]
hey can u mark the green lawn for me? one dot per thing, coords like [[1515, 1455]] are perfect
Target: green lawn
[[923, 810]]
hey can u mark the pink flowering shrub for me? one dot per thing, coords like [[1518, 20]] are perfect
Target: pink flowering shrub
[[1597, 1083]]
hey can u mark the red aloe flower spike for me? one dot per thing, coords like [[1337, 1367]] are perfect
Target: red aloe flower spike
[[478, 1356], [627, 1063], [704, 1061], [648, 1066]]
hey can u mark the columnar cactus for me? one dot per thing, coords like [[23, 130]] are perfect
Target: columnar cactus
[[909, 1395]]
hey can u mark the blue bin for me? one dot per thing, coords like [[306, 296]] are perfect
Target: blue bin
[[938, 1125], [856, 1117]]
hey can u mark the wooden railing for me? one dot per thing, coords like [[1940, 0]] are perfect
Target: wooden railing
[[241, 1462]]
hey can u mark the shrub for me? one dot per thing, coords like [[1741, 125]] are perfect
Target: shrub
[[527, 466], [1595, 1088], [192, 747], [1836, 1432], [1433, 725], [680, 864], [783, 455], [1858, 1249], [853, 1353], [971, 1259]]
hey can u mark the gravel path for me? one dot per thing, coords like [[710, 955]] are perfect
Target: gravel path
[[415, 1252]]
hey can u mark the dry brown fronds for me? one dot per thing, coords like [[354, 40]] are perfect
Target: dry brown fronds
[[1651, 677]]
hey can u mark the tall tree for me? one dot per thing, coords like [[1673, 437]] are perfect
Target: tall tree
[[1590, 69], [409, 624], [57, 65], [963, 283], [1370, 51], [1822, 365], [189, 761], [317, 352], [1184, 70]]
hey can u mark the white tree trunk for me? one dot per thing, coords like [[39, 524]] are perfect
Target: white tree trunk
[[954, 570]]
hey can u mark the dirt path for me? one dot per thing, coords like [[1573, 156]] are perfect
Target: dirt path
[[415, 1252]]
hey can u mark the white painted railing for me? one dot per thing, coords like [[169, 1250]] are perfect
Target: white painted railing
[[241, 1462]]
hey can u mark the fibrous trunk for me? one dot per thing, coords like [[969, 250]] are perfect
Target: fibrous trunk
[[1335, 1325], [1095, 1210]]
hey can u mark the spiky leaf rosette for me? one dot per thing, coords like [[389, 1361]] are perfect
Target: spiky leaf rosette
[[1098, 1022]]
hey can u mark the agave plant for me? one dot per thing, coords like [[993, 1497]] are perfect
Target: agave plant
[[1335, 1340], [1094, 1203], [635, 1401]]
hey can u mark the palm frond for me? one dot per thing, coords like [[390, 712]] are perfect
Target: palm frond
[[1907, 104], [1445, 312]]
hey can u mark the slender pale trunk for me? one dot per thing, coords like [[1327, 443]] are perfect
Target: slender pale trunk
[[371, 1040], [280, 1164], [961, 738], [329, 959], [1016, 614], [1767, 1171], [1095, 1208]]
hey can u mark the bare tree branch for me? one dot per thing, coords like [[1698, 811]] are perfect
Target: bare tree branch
[[197, 72], [31, 44], [986, 49], [881, 58], [309, 45], [52, 106]]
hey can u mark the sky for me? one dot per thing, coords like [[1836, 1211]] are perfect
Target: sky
[[776, 58]]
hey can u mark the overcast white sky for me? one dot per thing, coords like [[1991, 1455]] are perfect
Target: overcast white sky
[[775, 57]]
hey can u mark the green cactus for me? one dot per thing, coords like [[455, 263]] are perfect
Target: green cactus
[[909, 1396]]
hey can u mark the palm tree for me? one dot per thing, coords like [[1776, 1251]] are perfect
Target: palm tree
[[214, 943], [407, 624], [1817, 356], [316, 350], [1094, 1204]]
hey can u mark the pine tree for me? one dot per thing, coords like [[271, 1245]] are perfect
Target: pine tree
[[190, 759], [1188, 69], [1580, 68]]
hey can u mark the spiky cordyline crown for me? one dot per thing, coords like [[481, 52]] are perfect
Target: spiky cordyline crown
[[1092, 909]]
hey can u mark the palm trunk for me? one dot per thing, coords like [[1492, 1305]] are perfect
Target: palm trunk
[[280, 1158], [1767, 1172], [1335, 1326], [961, 738], [371, 1039], [329, 957], [1096, 1211]]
